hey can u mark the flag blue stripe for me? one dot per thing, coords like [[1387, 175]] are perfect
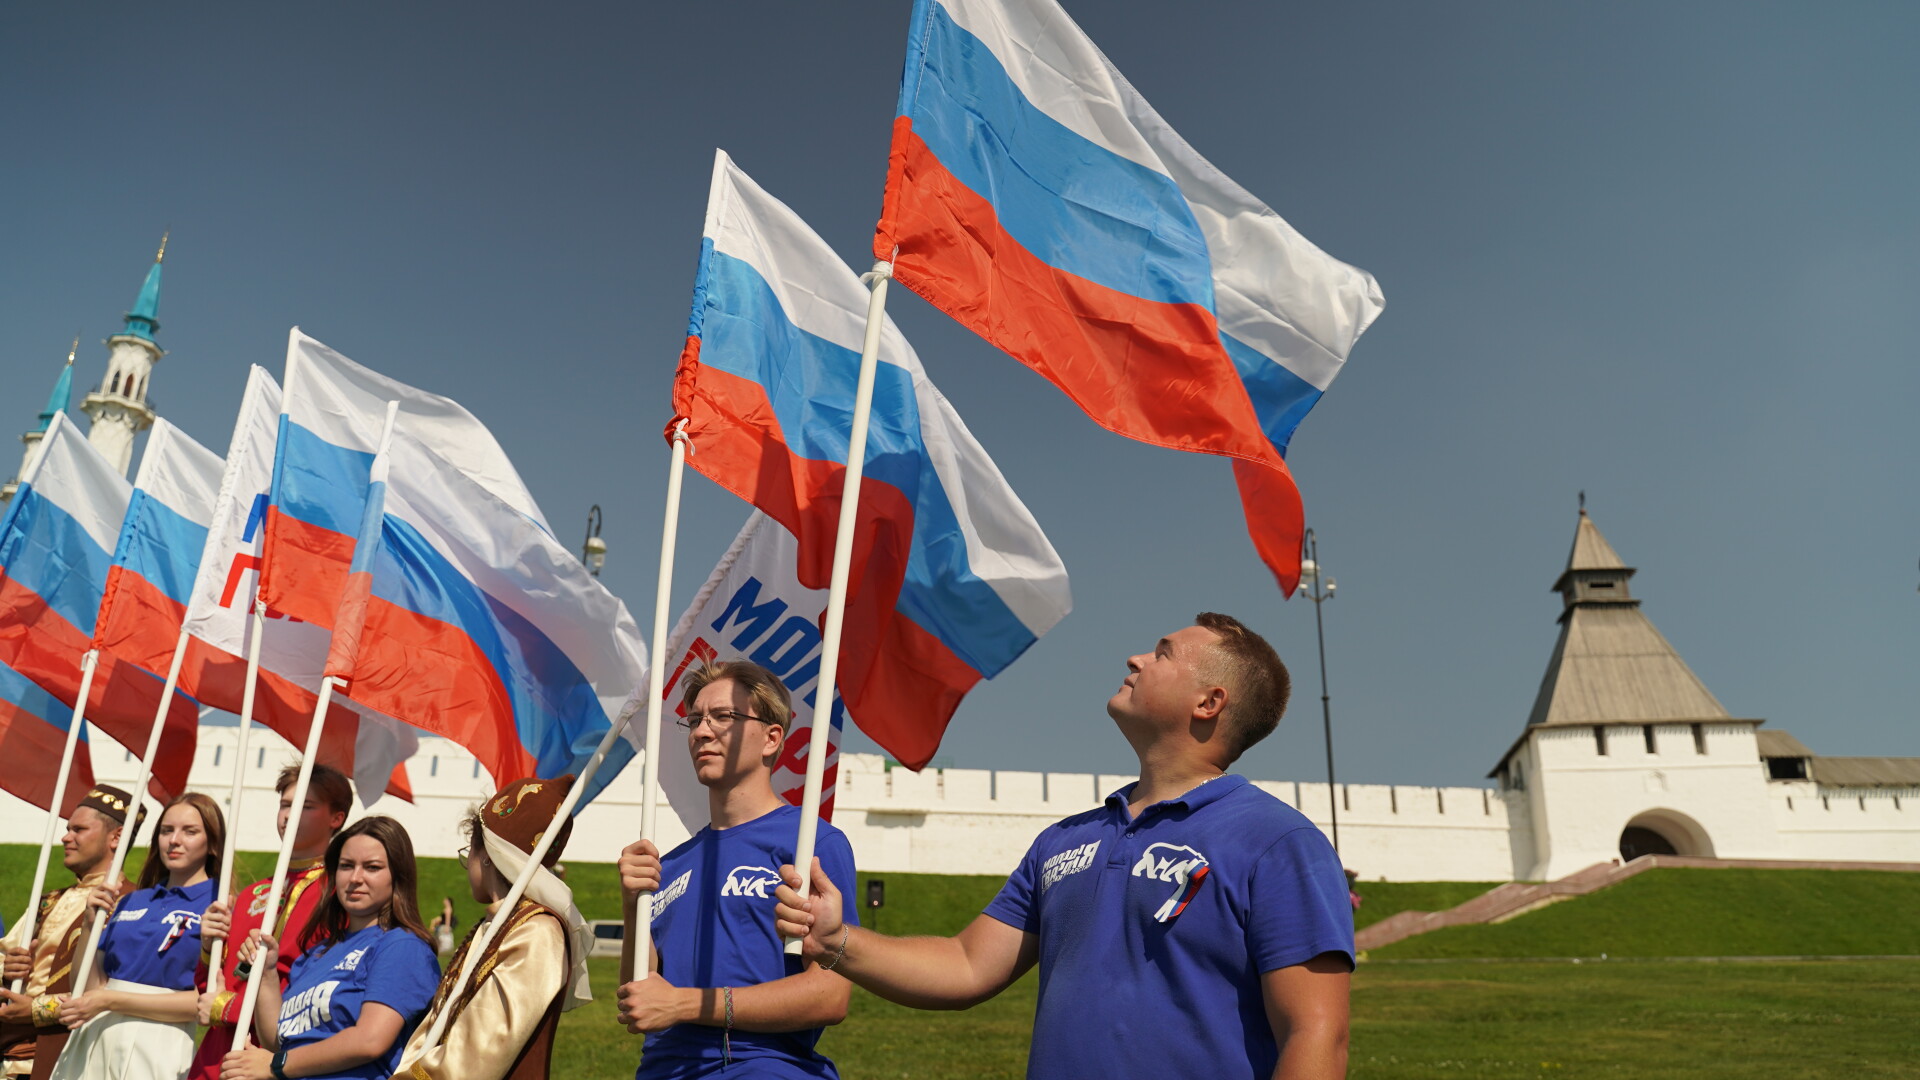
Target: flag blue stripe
[[22, 692], [47, 551], [1075, 205], [319, 482], [161, 546], [1280, 398], [810, 383]]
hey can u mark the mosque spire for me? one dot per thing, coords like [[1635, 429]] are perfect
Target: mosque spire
[[119, 407], [57, 403], [144, 320], [62, 396]]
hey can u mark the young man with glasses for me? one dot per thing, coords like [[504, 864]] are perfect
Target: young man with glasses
[[723, 989]]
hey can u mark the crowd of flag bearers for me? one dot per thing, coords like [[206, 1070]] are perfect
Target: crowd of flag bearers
[[366, 560]]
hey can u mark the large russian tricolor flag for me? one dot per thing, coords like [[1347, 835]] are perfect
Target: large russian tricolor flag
[[452, 606], [57, 545], [365, 745], [1034, 196], [953, 578], [463, 616], [33, 735]]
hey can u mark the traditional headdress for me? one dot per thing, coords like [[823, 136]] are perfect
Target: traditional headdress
[[512, 822]]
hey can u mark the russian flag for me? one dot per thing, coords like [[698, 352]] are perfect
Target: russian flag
[[365, 745], [454, 609], [33, 734], [1034, 196], [953, 578], [153, 569], [57, 547]]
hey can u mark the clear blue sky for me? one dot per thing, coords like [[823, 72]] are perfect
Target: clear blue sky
[[1665, 253]]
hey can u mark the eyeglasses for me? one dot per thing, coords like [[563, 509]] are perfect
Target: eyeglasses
[[719, 719], [465, 850]]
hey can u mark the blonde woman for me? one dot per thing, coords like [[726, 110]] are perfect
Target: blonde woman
[[135, 1021]]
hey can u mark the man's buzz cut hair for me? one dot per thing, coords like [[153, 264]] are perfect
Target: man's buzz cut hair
[[1256, 679]]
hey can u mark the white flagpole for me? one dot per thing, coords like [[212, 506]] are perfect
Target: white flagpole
[[244, 1027], [225, 887], [837, 585], [636, 962], [87, 664], [479, 947], [98, 924]]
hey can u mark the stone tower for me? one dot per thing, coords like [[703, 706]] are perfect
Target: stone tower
[[57, 403], [118, 406], [1626, 751]]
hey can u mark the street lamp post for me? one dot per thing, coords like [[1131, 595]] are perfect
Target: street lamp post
[[1317, 586], [594, 551]]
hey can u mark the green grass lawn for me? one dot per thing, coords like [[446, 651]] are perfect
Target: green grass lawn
[[1379, 899], [1676, 912], [1783, 1021]]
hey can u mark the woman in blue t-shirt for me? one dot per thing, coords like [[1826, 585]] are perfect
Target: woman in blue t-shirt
[[726, 992], [136, 1019], [367, 974]]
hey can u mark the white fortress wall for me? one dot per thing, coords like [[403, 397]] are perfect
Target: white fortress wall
[[979, 821], [1855, 824]]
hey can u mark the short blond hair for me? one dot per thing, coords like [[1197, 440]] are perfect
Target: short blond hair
[[771, 700]]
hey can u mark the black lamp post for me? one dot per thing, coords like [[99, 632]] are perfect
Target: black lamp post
[[1317, 586]]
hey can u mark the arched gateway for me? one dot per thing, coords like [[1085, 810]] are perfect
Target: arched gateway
[[1664, 832]]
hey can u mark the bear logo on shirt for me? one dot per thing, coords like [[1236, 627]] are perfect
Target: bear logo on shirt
[[752, 881], [1177, 864]]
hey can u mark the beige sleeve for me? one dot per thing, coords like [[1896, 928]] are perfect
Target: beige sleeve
[[529, 969]]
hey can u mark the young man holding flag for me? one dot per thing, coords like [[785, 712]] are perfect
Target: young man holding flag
[[31, 1021], [721, 989], [1193, 926], [329, 800]]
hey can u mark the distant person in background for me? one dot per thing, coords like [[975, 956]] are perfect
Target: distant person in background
[[726, 993], [365, 975], [31, 1033], [503, 1023], [329, 800], [1353, 892], [442, 927], [1192, 928], [135, 1018]]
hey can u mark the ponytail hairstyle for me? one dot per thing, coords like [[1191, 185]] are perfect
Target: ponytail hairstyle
[[154, 871], [329, 919]]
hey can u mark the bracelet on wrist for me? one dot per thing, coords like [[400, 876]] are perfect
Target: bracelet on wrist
[[726, 1034], [840, 953], [279, 1065]]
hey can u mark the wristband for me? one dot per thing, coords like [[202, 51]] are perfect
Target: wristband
[[46, 1011], [279, 1065], [726, 1035]]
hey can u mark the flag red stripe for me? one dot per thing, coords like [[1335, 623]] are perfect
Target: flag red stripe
[[31, 748], [41, 645]]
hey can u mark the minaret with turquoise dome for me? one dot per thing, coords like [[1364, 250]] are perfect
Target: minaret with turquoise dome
[[57, 403], [118, 407]]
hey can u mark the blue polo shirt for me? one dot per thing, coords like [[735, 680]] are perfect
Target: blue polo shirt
[[1154, 931], [332, 983], [713, 926], [154, 936]]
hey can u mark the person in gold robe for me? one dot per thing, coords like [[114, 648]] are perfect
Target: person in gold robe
[[31, 1034], [502, 1024]]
